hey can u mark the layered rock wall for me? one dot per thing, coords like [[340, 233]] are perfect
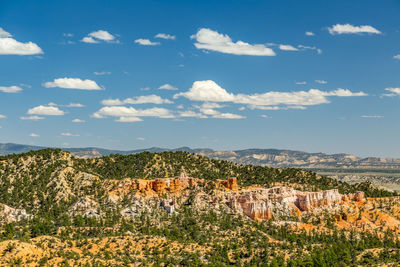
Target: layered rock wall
[[256, 202], [309, 200], [262, 203]]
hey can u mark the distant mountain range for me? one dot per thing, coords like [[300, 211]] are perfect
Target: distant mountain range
[[264, 157]]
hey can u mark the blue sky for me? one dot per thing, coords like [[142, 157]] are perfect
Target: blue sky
[[318, 76]]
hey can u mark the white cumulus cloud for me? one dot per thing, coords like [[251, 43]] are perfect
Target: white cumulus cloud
[[396, 56], [209, 91], [34, 135], [351, 29], [10, 46], [99, 36], [208, 39], [73, 83], [45, 110], [78, 121], [309, 33]]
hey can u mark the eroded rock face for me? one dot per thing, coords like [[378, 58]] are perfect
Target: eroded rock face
[[256, 202], [261, 203], [165, 185], [309, 200], [253, 205]]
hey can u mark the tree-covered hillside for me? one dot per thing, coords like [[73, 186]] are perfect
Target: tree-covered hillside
[[169, 164]]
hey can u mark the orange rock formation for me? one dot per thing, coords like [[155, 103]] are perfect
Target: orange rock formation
[[164, 185]]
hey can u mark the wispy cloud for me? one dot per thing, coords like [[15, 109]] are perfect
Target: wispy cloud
[[230, 116], [74, 105], [69, 134], [372, 116], [321, 81], [32, 118], [130, 114], [287, 48], [102, 73], [167, 86], [146, 42], [10, 89], [192, 114], [147, 99], [305, 47], [165, 36], [351, 29]]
